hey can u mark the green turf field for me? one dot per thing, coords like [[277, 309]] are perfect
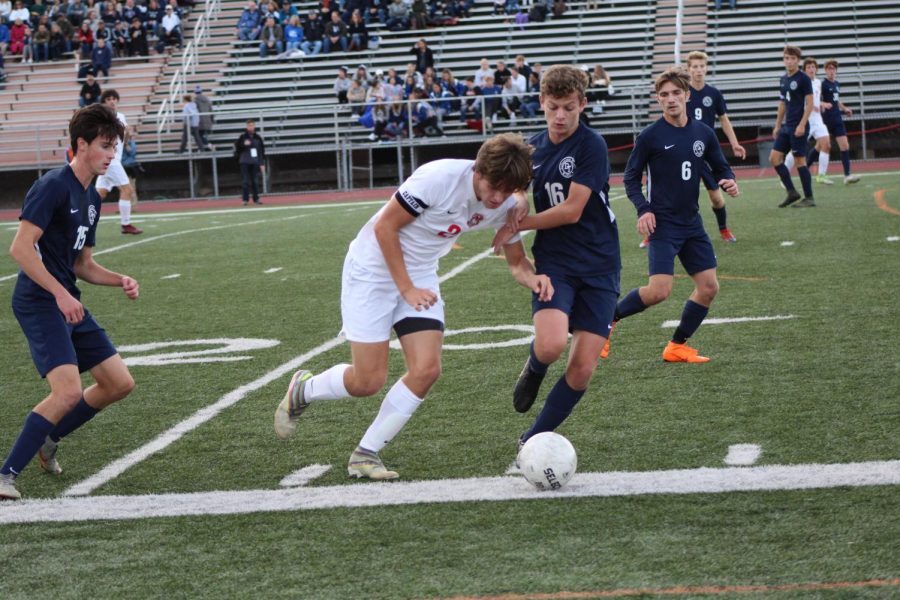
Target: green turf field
[[821, 387]]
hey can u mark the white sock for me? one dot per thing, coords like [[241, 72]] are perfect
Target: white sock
[[397, 407], [328, 385], [789, 160], [125, 212], [823, 163]]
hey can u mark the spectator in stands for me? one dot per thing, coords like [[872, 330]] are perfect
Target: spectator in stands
[[499, 7], [271, 38], [440, 100], [20, 12], [179, 12], [531, 103], [129, 11], [510, 102], [85, 38], [205, 108], [424, 117], [270, 9], [288, 11], [378, 113], [130, 162], [731, 3], [342, 83], [170, 31], [398, 16], [359, 34], [523, 67], [393, 87], [249, 26], [519, 82], [40, 44], [57, 42], [154, 15], [397, 121], [470, 106], [375, 93], [137, 39], [4, 35], [336, 33], [419, 15], [538, 68], [75, 13], [356, 95], [326, 7], [293, 36], [492, 100], [362, 76], [424, 56], [351, 6], [36, 10], [120, 39], [110, 15], [600, 89], [559, 8], [483, 71], [501, 73], [191, 117], [101, 59], [5, 9], [412, 72], [312, 35], [101, 33], [90, 91], [250, 152], [376, 10], [16, 37]]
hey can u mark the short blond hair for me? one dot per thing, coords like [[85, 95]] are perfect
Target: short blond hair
[[675, 75], [559, 81], [697, 55], [505, 162]]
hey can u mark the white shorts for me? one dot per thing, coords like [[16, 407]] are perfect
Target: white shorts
[[115, 176], [370, 306], [817, 127]]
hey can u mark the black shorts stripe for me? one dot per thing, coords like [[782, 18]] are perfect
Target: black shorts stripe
[[414, 324]]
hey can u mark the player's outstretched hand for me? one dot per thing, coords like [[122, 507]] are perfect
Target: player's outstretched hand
[[739, 151], [542, 287], [646, 224], [130, 287], [503, 235], [71, 308], [419, 298], [730, 186]]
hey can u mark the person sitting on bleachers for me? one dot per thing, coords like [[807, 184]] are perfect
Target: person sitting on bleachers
[[342, 84], [5, 9], [356, 96], [57, 42], [424, 117], [358, 33], [270, 9], [501, 73], [110, 16], [17, 37], [153, 17], [600, 88], [271, 38], [312, 34], [288, 11], [440, 99], [293, 36], [492, 100], [376, 10], [75, 13], [40, 44], [248, 26], [4, 35], [531, 100], [351, 6], [102, 33], [101, 59], [170, 31], [120, 39], [459, 8], [483, 71], [362, 76], [177, 9], [20, 12], [397, 124], [137, 39], [335, 33], [375, 93], [129, 11], [393, 87], [398, 16], [510, 101], [90, 91]]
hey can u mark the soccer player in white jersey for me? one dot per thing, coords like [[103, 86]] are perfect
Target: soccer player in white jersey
[[390, 281], [817, 129], [115, 175]]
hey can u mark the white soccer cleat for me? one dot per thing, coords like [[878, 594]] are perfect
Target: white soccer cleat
[[291, 406], [851, 179], [8, 489], [47, 457], [365, 464]]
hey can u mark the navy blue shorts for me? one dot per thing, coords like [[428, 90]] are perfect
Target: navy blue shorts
[[590, 302], [692, 247], [53, 342], [787, 141], [709, 180], [835, 124]]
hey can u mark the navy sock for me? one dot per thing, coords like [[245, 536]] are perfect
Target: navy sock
[[534, 364], [845, 160], [785, 177], [806, 181], [631, 304], [812, 157], [75, 418], [559, 404], [30, 440], [721, 218], [691, 318]]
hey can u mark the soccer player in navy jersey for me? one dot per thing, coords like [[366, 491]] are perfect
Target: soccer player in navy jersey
[[576, 245], [790, 132], [832, 109], [674, 151], [704, 104], [53, 246]]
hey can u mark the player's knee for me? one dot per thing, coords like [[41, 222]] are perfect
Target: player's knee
[[776, 160], [67, 397], [579, 373], [548, 350], [426, 374], [655, 294], [707, 291], [367, 384]]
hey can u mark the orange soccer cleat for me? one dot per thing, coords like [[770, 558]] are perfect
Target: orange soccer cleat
[[682, 353], [605, 352], [727, 235]]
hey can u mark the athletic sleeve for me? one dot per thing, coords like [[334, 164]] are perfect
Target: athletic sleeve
[[713, 155], [634, 173], [592, 165], [415, 193], [91, 239], [720, 106], [806, 85], [42, 201]]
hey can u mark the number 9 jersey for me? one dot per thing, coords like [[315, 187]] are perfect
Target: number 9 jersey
[[589, 246]]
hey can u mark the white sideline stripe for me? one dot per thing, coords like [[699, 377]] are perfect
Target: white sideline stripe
[[119, 466], [723, 320], [490, 489], [787, 243], [272, 270], [893, 238], [742, 454], [172, 276], [304, 475], [240, 210]]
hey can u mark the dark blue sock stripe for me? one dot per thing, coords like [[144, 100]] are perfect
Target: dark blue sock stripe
[[559, 405], [631, 304], [691, 318], [845, 160], [30, 440], [75, 418], [785, 176], [805, 181]]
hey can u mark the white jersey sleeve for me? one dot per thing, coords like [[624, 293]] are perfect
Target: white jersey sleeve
[[817, 92], [121, 145]]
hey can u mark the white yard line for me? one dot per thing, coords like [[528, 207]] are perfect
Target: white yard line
[[724, 320], [742, 454], [172, 276], [487, 489], [304, 475], [119, 466], [272, 270]]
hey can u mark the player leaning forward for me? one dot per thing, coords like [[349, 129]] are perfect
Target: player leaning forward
[[54, 245], [390, 281]]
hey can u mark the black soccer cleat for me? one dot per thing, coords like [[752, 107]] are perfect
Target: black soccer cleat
[[526, 390], [792, 197], [807, 202]]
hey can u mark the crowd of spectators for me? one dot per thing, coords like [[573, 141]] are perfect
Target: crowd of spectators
[[93, 30], [420, 99]]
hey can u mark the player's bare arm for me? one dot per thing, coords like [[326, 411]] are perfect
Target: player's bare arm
[[807, 110], [87, 269], [779, 118], [564, 213], [387, 231], [738, 150], [23, 252], [522, 271]]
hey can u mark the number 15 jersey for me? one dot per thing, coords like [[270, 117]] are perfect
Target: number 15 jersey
[[590, 246]]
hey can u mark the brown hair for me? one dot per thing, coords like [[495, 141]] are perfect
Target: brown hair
[[810, 61], [559, 81], [109, 94], [505, 162], [697, 55], [91, 122], [831, 63], [675, 75], [793, 51]]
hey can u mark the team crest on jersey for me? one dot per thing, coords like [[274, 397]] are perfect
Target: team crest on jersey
[[475, 220], [793, 85], [92, 214], [699, 147], [707, 101], [567, 167]]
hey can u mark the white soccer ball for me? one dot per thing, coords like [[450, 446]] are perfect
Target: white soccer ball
[[548, 461]]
